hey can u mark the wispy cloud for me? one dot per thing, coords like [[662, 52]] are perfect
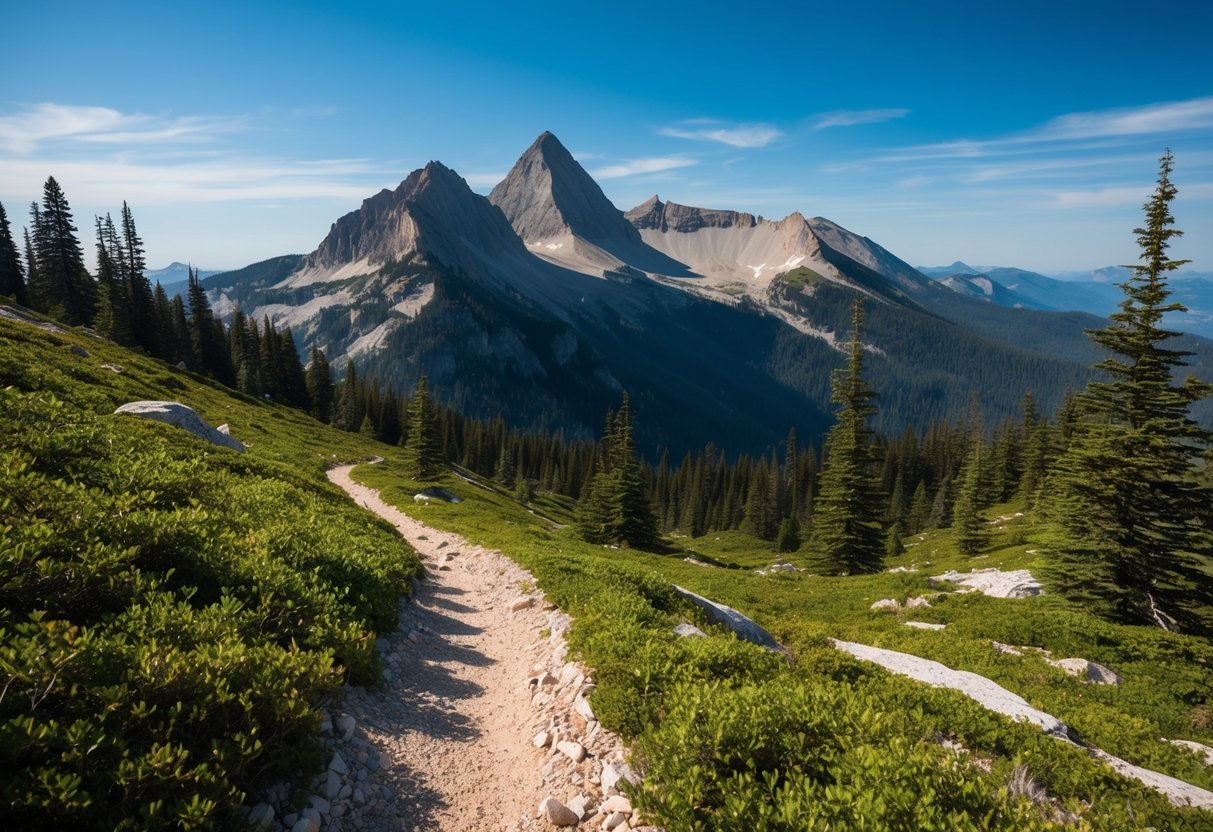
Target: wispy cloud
[[1121, 196], [1166, 117], [850, 118], [27, 131], [738, 135], [632, 167]]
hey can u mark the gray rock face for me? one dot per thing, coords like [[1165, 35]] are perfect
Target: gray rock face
[[744, 627], [689, 631], [1088, 671], [1018, 583], [547, 193], [180, 416], [670, 216], [432, 212]]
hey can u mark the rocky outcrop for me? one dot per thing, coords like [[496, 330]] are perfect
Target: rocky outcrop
[[1086, 670], [745, 628], [994, 582], [670, 216], [180, 416]]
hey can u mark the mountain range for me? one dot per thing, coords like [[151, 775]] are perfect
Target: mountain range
[[543, 302], [1095, 291]]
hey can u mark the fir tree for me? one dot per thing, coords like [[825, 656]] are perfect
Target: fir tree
[[892, 543], [63, 287], [349, 415], [920, 509], [319, 386], [1126, 496], [145, 325], [12, 275], [423, 451], [788, 539], [615, 506], [969, 525], [847, 535]]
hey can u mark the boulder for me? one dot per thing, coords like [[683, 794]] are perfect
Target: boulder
[[425, 495], [745, 628], [1088, 671], [1205, 751], [345, 726], [262, 816], [917, 603], [541, 739], [923, 625], [180, 416], [614, 820], [994, 582], [689, 631], [612, 773], [886, 604], [575, 751], [557, 813], [79, 351], [582, 706], [583, 805], [617, 803]]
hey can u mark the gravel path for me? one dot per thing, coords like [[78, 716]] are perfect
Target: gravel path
[[453, 726]]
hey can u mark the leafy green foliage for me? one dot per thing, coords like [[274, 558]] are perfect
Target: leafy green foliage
[[171, 614]]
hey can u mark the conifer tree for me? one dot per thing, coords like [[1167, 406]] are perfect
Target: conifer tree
[[920, 509], [31, 264], [423, 451], [615, 507], [970, 526], [63, 286], [892, 543], [349, 415], [788, 539], [1126, 495], [145, 325], [847, 535], [12, 275], [320, 386]]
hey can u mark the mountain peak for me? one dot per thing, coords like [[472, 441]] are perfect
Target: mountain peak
[[548, 194]]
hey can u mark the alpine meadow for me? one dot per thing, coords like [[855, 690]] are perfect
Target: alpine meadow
[[461, 497]]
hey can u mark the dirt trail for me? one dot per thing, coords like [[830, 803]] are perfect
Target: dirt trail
[[453, 726]]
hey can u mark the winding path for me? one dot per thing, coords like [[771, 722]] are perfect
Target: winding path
[[453, 724]]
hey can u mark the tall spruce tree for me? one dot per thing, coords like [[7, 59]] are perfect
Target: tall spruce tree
[[1126, 495], [320, 386], [847, 535], [62, 287], [967, 521], [615, 507], [12, 275], [423, 449]]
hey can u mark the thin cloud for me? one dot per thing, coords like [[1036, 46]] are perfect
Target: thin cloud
[[632, 167], [1121, 196], [740, 135], [26, 131], [1165, 117], [850, 118]]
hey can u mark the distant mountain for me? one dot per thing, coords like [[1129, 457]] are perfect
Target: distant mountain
[[544, 301], [174, 277], [1096, 292]]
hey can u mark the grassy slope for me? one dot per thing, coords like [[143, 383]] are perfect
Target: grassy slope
[[1166, 692], [184, 608]]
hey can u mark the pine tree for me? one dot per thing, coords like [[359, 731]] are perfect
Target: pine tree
[[615, 506], [145, 326], [1126, 496], [12, 275], [319, 385], [112, 318], [892, 543], [920, 509], [423, 452], [63, 287], [969, 525], [31, 264], [847, 535], [349, 415], [788, 539]]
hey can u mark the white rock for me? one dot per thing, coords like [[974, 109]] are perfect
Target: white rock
[[1006, 648], [986, 692], [180, 416], [582, 706], [1089, 671], [916, 603], [338, 765], [612, 773], [542, 739], [345, 726], [902, 569], [885, 604], [923, 625], [994, 582], [617, 803], [359, 796], [746, 628], [557, 813], [689, 631], [567, 673], [318, 803], [575, 751], [522, 602], [332, 785], [582, 805], [1204, 750], [615, 820], [262, 815]]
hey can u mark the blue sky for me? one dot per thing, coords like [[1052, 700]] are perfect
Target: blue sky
[[1013, 134]]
